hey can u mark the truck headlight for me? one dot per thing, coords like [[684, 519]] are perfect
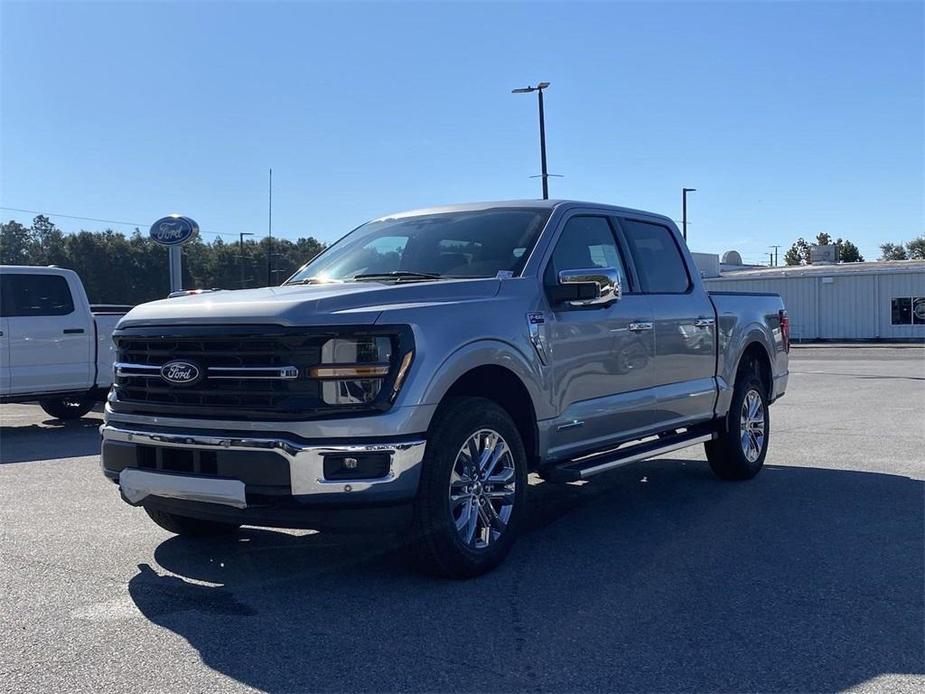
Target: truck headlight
[[353, 369]]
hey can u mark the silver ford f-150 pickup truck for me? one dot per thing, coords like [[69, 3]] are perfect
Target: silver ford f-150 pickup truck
[[413, 374]]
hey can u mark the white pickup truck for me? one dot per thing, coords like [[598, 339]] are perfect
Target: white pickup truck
[[55, 348]]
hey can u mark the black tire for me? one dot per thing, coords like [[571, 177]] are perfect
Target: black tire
[[727, 453], [190, 527], [436, 546], [68, 408]]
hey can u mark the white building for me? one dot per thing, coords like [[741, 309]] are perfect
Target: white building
[[845, 301]]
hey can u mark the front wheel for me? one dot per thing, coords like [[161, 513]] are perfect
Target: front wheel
[[739, 451], [472, 492], [68, 407]]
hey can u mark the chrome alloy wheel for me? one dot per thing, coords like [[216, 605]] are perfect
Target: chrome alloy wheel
[[751, 425], [482, 485]]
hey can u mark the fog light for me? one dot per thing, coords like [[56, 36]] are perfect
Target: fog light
[[357, 466], [358, 391]]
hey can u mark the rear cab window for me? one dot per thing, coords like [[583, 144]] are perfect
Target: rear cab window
[[34, 295], [658, 260]]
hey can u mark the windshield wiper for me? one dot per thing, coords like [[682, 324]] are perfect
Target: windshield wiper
[[399, 275], [310, 280]]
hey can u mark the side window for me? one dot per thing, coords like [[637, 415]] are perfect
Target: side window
[[658, 259], [586, 242], [35, 295]]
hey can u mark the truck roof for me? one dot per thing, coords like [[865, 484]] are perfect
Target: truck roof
[[36, 269], [530, 203]]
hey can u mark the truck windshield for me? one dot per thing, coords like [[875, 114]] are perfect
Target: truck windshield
[[478, 243]]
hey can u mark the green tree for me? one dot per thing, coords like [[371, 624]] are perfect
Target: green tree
[[892, 251], [848, 252], [915, 249], [130, 270], [16, 244], [798, 253], [50, 242]]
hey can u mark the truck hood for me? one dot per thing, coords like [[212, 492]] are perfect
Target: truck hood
[[350, 303]]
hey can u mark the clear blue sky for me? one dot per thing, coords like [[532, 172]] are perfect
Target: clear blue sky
[[790, 118]]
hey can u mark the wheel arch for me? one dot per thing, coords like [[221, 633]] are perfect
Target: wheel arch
[[504, 387], [500, 372], [755, 357]]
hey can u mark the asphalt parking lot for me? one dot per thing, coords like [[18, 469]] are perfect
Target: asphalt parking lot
[[655, 577]]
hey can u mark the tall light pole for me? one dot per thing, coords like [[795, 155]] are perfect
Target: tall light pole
[[539, 92], [684, 192], [241, 249], [270, 235]]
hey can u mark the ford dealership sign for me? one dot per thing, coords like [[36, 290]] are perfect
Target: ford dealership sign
[[173, 230]]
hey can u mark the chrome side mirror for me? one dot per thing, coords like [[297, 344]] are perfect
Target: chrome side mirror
[[589, 286]]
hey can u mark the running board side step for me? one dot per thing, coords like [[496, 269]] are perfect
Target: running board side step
[[595, 463]]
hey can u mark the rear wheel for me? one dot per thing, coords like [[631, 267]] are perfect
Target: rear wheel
[[189, 527], [739, 451], [68, 407], [472, 492]]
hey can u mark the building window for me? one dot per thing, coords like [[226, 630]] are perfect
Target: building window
[[908, 311]]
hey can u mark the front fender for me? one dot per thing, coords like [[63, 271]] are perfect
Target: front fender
[[488, 352]]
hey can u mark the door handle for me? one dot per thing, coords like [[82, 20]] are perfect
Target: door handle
[[704, 322], [73, 331], [639, 327]]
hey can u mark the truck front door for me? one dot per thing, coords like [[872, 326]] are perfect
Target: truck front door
[[600, 356], [50, 337]]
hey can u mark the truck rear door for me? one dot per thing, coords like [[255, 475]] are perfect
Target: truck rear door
[[4, 352], [684, 318], [50, 339]]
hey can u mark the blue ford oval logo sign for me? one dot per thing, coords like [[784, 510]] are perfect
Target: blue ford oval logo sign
[[173, 230], [180, 373]]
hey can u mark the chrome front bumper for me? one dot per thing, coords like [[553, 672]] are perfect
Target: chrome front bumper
[[306, 461]]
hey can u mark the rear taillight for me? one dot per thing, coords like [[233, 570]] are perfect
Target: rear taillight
[[785, 329]]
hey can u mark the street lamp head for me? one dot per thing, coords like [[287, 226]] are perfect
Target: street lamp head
[[527, 90], [688, 190]]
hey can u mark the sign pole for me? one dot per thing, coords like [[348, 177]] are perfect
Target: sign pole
[[176, 268], [173, 231]]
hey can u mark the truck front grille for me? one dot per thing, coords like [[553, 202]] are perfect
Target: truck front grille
[[243, 372]]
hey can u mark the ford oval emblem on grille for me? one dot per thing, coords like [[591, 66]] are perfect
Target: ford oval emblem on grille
[[180, 373]]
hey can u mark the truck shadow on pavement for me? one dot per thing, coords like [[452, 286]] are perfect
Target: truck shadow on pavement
[[52, 439], [655, 577]]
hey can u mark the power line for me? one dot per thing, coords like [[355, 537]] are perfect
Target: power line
[[97, 219], [71, 216]]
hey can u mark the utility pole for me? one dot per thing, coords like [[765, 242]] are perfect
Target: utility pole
[[539, 91], [770, 259], [270, 236], [241, 250], [684, 192], [775, 254]]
